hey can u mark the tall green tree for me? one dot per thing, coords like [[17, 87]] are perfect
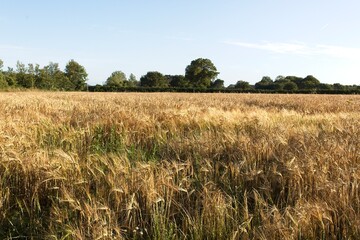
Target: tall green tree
[[76, 74], [201, 72], [116, 80], [25, 75], [154, 79], [31, 74], [57, 78], [132, 81], [44, 80], [45, 77], [20, 74]]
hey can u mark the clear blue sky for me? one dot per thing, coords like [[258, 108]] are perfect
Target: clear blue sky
[[245, 39]]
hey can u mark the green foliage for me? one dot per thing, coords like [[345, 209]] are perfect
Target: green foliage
[[50, 77], [132, 81], [280, 78], [20, 67], [309, 82], [76, 74], [154, 79], [10, 79], [290, 86], [291, 83], [294, 79], [243, 85], [117, 79], [199, 76], [178, 81], [201, 72], [25, 80], [324, 86], [338, 86], [280, 82], [266, 83], [217, 84], [3, 82], [24, 76], [63, 83], [44, 80]]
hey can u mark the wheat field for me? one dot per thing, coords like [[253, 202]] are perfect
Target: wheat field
[[179, 166]]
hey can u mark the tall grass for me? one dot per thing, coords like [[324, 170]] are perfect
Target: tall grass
[[179, 166]]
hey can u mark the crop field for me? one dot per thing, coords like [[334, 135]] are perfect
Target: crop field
[[179, 166]]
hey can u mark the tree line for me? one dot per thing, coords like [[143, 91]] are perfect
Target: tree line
[[200, 76], [50, 77]]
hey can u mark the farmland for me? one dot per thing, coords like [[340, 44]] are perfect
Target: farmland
[[179, 166]]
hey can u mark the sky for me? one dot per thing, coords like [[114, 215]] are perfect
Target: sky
[[245, 39]]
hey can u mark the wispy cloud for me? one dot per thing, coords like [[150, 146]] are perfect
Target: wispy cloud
[[303, 49]]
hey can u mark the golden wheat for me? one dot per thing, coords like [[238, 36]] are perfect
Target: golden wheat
[[179, 166]]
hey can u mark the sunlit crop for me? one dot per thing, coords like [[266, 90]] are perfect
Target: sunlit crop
[[179, 166]]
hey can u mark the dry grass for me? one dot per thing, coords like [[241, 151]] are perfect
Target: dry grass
[[179, 166]]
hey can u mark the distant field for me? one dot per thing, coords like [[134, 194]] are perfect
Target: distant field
[[179, 166]]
